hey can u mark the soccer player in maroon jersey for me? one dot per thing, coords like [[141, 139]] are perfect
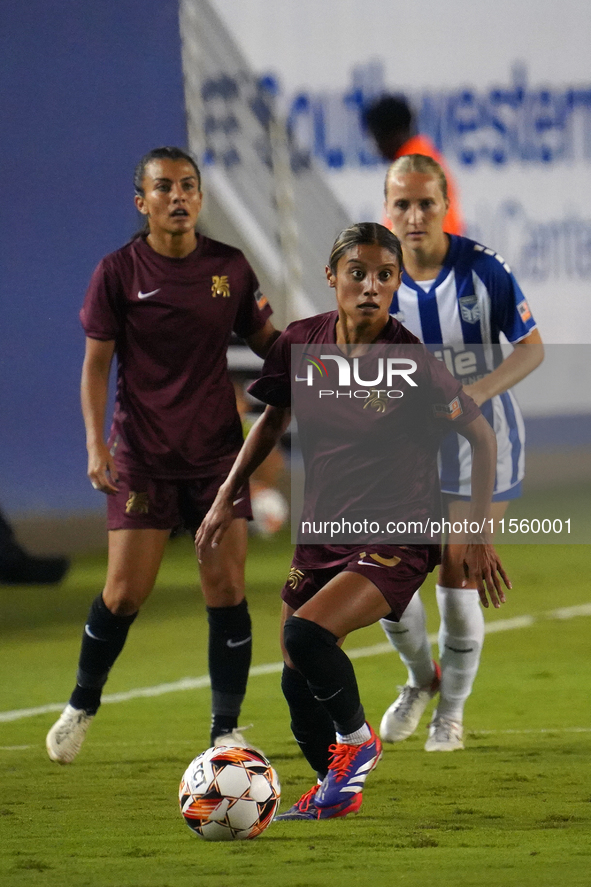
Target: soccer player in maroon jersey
[[334, 589], [166, 305]]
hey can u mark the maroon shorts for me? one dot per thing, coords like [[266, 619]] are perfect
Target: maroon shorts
[[396, 581], [146, 503]]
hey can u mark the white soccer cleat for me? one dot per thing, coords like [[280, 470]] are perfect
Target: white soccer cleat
[[444, 735], [65, 738], [402, 718], [235, 738]]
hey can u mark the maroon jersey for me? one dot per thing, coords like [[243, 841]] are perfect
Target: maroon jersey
[[367, 457], [172, 319]]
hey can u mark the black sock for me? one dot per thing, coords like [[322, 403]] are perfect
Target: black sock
[[329, 672], [311, 724], [230, 651], [103, 639]]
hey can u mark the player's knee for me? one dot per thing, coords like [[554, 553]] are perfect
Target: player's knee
[[124, 598], [301, 637], [451, 575], [222, 584], [223, 593]]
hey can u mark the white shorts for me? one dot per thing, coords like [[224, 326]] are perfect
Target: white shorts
[[455, 454]]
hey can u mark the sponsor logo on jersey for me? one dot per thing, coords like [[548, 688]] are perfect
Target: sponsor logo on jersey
[[294, 577], [469, 309], [450, 410], [524, 311], [137, 503], [142, 295], [220, 286]]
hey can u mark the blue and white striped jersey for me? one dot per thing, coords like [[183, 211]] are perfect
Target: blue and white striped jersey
[[474, 299]]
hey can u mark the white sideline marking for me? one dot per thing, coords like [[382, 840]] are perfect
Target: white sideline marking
[[274, 667], [537, 732]]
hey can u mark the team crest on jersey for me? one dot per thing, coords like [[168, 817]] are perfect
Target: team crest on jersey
[[137, 503], [294, 577], [469, 309], [220, 286], [450, 410], [375, 400], [524, 311]]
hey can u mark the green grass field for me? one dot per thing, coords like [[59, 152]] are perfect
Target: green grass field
[[514, 808]]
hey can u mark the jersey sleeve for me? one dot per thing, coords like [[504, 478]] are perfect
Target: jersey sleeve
[[254, 309], [510, 312], [101, 314], [449, 401], [273, 386]]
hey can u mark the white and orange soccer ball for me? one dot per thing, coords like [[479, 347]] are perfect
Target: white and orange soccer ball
[[229, 794], [269, 510]]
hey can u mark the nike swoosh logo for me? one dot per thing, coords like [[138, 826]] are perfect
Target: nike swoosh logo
[[381, 561], [142, 295], [326, 698], [233, 644], [385, 561], [236, 501], [91, 635]]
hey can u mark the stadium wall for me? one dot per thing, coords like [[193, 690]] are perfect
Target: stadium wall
[[87, 89]]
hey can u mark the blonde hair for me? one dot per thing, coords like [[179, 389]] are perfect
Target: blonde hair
[[420, 163]]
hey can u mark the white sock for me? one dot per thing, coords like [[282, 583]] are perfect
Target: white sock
[[357, 738], [461, 635], [409, 638]]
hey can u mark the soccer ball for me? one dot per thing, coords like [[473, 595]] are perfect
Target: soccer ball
[[269, 510], [229, 794]]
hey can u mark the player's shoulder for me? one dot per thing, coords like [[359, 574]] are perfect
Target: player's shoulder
[[118, 263], [396, 333], [482, 258], [310, 329], [217, 249], [119, 255]]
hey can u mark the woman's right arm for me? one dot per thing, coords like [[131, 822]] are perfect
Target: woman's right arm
[[94, 391], [262, 437]]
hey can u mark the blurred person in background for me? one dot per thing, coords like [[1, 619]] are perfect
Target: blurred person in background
[[392, 125], [166, 305], [456, 293], [20, 567]]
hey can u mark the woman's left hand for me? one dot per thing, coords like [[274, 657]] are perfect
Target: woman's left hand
[[214, 525], [482, 567]]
